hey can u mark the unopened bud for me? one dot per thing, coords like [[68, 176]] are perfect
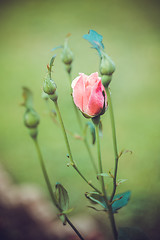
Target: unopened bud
[[54, 97], [31, 118], [67, 55], [107, 66], [49, 86]]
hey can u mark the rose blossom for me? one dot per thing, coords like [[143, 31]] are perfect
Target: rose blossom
[[89, 94]]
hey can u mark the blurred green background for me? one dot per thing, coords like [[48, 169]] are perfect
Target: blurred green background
[[130, 29]]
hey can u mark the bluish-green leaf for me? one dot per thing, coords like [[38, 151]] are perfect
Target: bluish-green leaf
[[119, 200], [62, 197], [122, 200], [53, 49], [95, 39]]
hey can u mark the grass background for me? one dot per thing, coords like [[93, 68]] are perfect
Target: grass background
[[130, 29]]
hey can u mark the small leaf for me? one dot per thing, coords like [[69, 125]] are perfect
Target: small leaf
[[124, 152], [98, 210], [119, 200], [120, 181], [96, 198], [95, 39], [53, 49], [51, 62], [28, 98], [62, 197], [103, 175], [122, 200], [68, 211], [92, 130]]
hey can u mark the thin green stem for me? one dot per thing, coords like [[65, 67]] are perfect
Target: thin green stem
[[69, 149], [50, 188], [46, 175], [111, 216], [114, 142], [81, 128]]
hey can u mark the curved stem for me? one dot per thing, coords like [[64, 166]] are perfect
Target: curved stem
[[114, 141], [81, 127], [69, 150], [50, 188], [111, 216]]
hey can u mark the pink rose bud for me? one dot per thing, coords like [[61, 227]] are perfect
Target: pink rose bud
[[89, 95]]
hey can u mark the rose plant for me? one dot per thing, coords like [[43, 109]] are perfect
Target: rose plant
[[91, 95]]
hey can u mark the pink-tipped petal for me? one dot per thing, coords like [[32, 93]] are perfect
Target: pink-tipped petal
[[78, 91]]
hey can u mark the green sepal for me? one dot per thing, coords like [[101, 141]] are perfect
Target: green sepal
[[62, 197], [63, 219], [28, 98], [51, 62], [92, 131]]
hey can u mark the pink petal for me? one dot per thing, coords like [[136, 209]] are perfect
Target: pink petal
[[78, 91], [96, 101]]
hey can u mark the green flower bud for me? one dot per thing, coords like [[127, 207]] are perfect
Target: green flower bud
[[31, 119], [67, 55], [33, 132], [49, 86], [107, 66], [54, 97], [106, 79]]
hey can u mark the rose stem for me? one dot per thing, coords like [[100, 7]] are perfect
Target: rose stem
[[111, 216], [81, 128], [46, 177], [69, 150], [114, 141]]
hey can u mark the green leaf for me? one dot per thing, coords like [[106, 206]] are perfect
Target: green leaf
[[28, 98], [96, 198], [51, 62], [62, 197], [120, 181], [92, 131], [120, 200], [68, 211], [103, 175]]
